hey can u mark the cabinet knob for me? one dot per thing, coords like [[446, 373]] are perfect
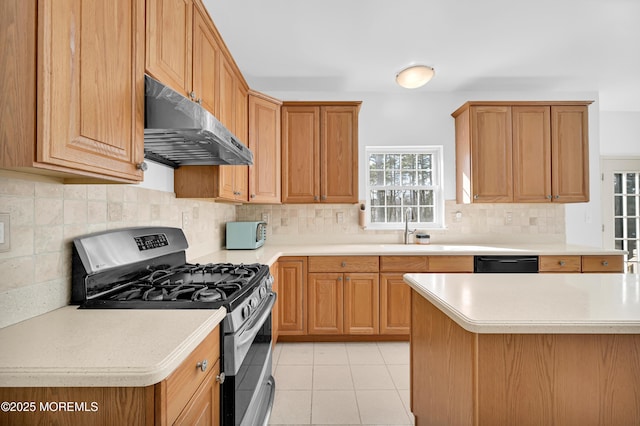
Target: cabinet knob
[[324, 197], [315, 198], [475, 196], [192, 95], [556, 197], [220, 378], [348, 278], [343, 264], [562, 263], [549, 197], [202, 365], [605, 263], [253, 195], [199, 101], [339, 278], [142, 166]]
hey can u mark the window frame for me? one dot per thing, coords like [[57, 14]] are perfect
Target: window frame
[[437, 185]]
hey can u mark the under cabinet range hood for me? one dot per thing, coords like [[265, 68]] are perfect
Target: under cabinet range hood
[[180, 132]]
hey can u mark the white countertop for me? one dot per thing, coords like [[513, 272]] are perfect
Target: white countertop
[[101, 347], [269, 253], [535, 303]]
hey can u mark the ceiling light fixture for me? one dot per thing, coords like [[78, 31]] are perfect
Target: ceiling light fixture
[[415, 76]]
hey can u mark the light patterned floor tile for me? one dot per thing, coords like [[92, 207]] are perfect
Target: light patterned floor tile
[[381, 407], [334, 407]]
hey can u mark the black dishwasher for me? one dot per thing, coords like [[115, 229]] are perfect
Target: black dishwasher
[[505, 264]]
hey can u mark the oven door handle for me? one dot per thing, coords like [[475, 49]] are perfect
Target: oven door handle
[[249, 334]]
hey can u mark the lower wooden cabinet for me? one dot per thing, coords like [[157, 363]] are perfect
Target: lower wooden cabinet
[[613, 263], [189, 396], [361, 303], [577, 264], [395, 304], [559, 264], [292, 272], [325, 303], [204, 407], [183, 395], [343, 303]]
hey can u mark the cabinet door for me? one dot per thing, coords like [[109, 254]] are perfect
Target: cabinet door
[[169, 37], [491, 154], [395, 304], [531, 154], [570, 153], [226, 174], [205, 62], [300, 154], [361, 303], [91, 86], [204, 407], [264, 142], [291, 275], [339, 154], [325, 303]]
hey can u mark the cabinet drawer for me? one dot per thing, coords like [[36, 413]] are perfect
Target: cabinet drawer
[[183, 382], [559, 264], [450, 263], [343, 264], [405, 264], [602, 263]]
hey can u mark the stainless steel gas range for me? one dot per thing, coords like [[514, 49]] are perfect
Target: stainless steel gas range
[[146, 268]]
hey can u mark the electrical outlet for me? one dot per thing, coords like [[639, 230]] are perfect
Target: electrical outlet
[[5, 232], [508, 218], [265, 217], [457, 216], [186, 220]]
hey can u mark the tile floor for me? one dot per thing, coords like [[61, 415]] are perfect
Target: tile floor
[[341, 384]]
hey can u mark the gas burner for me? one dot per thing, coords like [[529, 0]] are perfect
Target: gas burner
[[208, 295]]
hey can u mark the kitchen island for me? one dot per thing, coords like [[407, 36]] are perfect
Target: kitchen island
[[525, 349]]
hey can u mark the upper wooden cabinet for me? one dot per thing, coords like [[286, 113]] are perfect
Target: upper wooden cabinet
[[183, 49], [320, 152], [186, 52], [522, 152], [73, 100], [264, 142]]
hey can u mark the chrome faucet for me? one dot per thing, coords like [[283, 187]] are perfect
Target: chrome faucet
[[407, 218]]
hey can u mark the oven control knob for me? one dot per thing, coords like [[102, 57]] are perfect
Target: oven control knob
[[263, 292], [254, 303], [246, 311]]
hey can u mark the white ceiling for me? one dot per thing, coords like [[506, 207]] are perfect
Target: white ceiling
[[474, 45]]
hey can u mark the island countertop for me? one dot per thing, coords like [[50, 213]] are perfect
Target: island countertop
[[535, 303]]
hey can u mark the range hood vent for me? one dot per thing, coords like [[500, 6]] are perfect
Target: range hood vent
[[179, 132]]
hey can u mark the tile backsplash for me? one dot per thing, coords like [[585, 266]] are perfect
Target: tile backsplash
[[46, 215], [464, 223]]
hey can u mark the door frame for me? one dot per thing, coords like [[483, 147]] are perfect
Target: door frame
[[608, 166]]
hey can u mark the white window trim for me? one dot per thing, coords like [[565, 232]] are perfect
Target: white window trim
[[438, 191]]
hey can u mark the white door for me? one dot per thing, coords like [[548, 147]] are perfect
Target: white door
[[621, 207]]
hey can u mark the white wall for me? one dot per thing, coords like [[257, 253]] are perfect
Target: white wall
[[619, 133], [423, 117]]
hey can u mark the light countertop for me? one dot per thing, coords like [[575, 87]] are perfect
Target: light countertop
[[535, 303], [269, 253], [101, 347]]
